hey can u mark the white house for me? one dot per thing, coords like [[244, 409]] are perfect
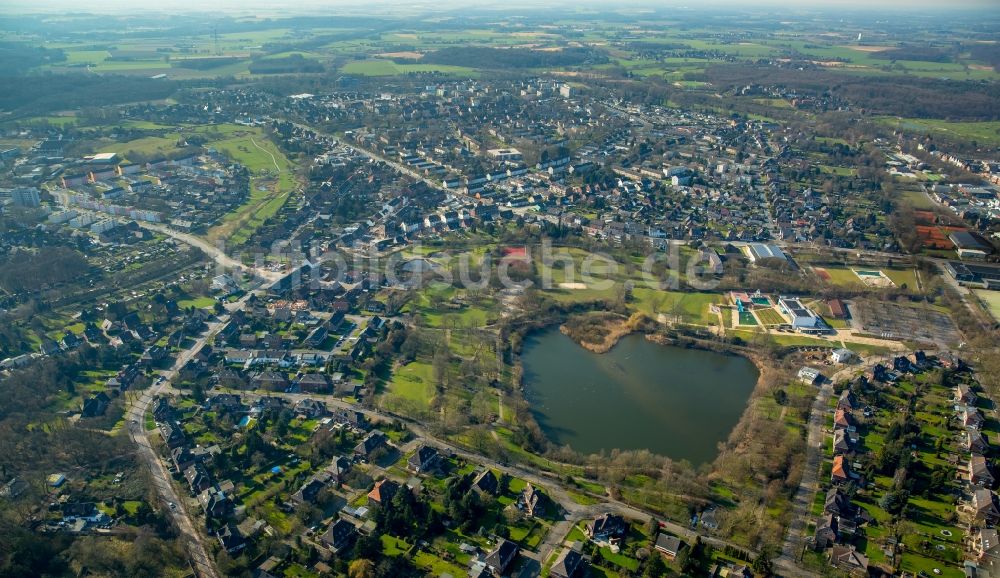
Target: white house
[[810, 375], [842, 355]]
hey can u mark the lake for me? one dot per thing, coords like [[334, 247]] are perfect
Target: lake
[[672, 401]]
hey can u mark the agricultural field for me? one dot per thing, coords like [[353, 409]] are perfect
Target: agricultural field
[[377, 67], [985, 133]]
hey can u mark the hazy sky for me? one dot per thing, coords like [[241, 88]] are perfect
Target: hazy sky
[[272, 7]]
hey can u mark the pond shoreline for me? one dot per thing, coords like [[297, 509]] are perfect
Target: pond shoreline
[[616, 330], [619, 329], [646, 396]]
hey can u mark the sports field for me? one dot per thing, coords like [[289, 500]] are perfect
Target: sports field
[[991, 300]]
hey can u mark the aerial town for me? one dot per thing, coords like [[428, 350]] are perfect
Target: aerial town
[[535, 295]]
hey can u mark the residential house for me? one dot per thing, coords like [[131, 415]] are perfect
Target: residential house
[[270, 380], [311, 408], [338, 468], [842, 420], [314, 383], [668, 545], [347, 417], [486, 483], [215, 503], [838, 504], [810, 376], [949, 360], [847, 401], [984, 508], [726, 570], [70, 341], [232, 378], [879, 373], [182, 458], [500, 560], [902, 364], [979, 472], [226, 403], [49, 347], [826, 532], [842, 355], [708, 519], [986, 546], [964, 394], [309, 491], [383, 492], [849, 560], [197, 478], [569, 564], [971, 417], [426, 458], [339, 536], [231, 540], [531, 501], [841, 442], [976, 442], [607, 527], [86, 511], [173, 435], [841, 472], [95, 405], [373, 441]]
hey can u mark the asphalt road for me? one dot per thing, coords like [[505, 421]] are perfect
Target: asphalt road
[[194, 540], [795, 538]]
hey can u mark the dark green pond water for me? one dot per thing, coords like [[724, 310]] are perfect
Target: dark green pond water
[[672, 401]]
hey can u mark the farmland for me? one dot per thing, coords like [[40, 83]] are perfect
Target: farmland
[[984, 133], [376, 67]]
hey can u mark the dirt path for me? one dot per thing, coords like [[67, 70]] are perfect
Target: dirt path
[[274, 161]]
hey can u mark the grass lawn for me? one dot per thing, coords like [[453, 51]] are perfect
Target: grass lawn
[[199, 303], [841, 276], [392, 546], [902, 277], [919, 200], [413, 382], [582, 499], [150, 146], [435, 566], [619, 559], [991, 300], [692, 307]]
